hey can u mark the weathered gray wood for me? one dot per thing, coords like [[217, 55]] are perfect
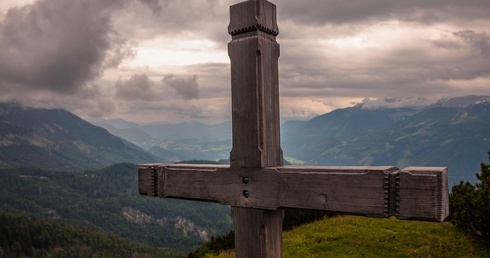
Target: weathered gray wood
[[423, 193], [266, 237], [254, 55], [146, 180], [257, 185], [254, 58], [412, 193], [251, 16]]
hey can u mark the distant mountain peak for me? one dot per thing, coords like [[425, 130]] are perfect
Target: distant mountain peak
[[464, 101], [420, 102], [408, 102]]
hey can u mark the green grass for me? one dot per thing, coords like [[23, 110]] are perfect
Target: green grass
[[348, 236]]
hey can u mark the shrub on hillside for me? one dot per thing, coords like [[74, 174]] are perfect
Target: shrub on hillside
[[470, 204]]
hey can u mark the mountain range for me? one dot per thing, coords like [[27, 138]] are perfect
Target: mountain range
[[58, 167], [440, 135], [174, 142], [453, 132], [57, 139]]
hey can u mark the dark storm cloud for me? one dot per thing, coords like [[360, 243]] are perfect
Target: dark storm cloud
[[428, 68], [195, 18], [154, 5], [479, 40], [186, 87], [420, 11], [138, 87], [59, 45]]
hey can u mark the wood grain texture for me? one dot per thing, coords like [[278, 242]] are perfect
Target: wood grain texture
[[254, 55], [255, 102], [412, 193], [423, 193], [146, 180], [251, 16], [265, 239]]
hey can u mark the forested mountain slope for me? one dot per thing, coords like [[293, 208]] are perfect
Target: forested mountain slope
[[23, 236], [453, 137], [108, 200], [57, 139]]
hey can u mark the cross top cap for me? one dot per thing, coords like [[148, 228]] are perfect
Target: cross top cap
[[253, 15]]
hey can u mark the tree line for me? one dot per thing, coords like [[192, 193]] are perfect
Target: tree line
[[26, 236], [99, 200]]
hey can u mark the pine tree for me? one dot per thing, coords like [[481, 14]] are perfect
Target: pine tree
[[470, 204]]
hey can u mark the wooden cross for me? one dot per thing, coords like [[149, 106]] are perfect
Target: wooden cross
[[257, 185]]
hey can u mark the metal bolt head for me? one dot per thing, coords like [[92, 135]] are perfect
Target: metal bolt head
[[246, 194], [245, 180]]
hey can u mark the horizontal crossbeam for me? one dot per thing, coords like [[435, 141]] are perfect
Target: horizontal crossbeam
[[411, 193]]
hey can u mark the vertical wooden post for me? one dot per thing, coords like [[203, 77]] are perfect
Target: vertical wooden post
[[258, 233], [254, 55]]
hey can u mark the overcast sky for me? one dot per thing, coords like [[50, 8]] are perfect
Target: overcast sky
[[166, 60]]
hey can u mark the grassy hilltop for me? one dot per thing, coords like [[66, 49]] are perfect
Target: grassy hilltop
[[348, 236]]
